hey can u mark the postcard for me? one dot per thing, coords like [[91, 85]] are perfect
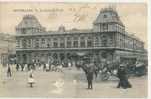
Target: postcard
[[73, 50]]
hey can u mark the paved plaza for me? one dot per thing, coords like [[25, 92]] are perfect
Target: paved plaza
[[69, 83]]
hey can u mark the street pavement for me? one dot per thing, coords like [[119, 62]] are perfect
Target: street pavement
[[70, 83]]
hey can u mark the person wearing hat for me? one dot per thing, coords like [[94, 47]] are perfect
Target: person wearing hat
[[122, 75], [89, 74]]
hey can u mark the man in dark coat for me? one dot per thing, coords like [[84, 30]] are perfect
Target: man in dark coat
[[122, 75], [89, 74]]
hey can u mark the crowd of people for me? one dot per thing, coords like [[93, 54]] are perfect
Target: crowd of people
[[90, 69]]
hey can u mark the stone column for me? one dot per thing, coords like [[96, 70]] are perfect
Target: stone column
[[79, 41], [71, 42], [86, 40]]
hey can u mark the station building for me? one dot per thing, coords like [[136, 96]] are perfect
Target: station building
[[107, 40]]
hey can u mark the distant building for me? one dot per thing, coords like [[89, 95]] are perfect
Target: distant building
[[7, 47], [106, 40]]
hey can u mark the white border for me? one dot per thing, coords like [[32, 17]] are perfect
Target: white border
[[106, 1], [81, 1]]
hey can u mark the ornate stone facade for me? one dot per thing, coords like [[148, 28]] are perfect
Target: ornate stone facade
[[107, 40]]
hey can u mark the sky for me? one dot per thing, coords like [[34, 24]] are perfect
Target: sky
[[73, 15]]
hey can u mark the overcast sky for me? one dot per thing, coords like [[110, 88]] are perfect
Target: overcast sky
[[73, 15]]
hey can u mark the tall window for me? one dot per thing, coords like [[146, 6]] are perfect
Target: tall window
[[23, 31], [55, 42], [104, 40], [43, 42], [24, 43], [75, 42], [105, 27], [37, 43], [62, 42], [68, 42], [29, 43], [17, 44], [82, 42], [48, 43], [89, 42], [96, 41]]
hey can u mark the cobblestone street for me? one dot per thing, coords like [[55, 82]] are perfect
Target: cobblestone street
[[70, 83]]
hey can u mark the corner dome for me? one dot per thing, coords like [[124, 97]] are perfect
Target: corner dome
[[108, 15], [29, 21]]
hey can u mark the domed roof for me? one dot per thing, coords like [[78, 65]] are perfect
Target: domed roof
[[29, 21], [108, 15]]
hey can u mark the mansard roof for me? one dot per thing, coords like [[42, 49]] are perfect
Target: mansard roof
[[29, 21], [108, 15]]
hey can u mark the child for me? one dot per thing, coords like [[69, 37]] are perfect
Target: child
[[31, 80]]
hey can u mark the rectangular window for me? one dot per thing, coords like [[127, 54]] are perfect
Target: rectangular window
[[17, 44], [23, 31], [62, 44], [43, 43], [105, 27], [55, 44], [75, 44], [82, 42], [48, 43], [29, 43], [96, 41], [89, 44], [37, 43], [24, 43], [68, 44]]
